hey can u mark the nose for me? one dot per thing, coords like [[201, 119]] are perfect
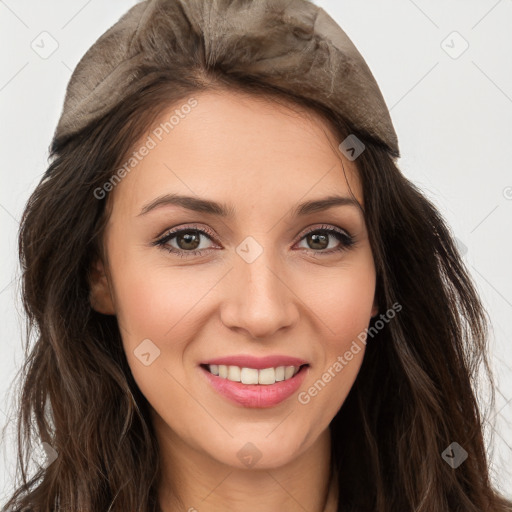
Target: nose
[[258, 300]]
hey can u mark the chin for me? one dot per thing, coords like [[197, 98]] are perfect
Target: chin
[[259, 450]]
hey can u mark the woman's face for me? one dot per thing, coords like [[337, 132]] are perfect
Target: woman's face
[[252, 283]]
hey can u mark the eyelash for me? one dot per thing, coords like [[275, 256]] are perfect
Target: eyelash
[[347, 240]]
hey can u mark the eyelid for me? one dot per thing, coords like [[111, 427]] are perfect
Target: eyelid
[[326, 227], [186, 227], [207, 230]]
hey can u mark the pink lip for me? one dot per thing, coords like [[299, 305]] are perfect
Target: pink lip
[[256, 395], [257, 363]]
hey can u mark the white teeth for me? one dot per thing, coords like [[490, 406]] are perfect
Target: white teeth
[[249, 376], [234, 373], [265, 376], [289, 371]]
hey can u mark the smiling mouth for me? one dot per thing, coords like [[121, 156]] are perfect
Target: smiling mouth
[[245, 375]]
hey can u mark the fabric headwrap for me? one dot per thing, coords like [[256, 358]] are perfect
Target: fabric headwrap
[[294, 40]]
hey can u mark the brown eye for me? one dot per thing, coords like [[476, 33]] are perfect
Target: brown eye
[[184, 242], [188, 240], [318, 240]]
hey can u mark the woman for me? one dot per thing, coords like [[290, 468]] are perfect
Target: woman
[[241, 303]]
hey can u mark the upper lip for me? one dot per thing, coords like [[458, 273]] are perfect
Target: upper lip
[[258, 363]]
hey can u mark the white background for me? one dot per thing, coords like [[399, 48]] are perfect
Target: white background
[[452, 111]]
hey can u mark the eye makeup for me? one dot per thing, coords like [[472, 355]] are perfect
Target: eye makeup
[[319, 233]]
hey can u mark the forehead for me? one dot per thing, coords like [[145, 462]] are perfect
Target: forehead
[[239, 149]]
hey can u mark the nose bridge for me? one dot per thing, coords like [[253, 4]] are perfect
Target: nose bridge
[[258, 300]]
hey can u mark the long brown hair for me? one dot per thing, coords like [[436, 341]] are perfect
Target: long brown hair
[[415, 394]]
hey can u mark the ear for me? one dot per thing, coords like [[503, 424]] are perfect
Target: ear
[[100, 295]]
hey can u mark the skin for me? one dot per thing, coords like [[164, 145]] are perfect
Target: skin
[[263, 159]]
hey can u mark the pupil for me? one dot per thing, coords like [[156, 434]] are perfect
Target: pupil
[[189, 237], [316, 237]]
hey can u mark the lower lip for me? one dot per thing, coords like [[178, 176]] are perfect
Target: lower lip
[[256, 395]]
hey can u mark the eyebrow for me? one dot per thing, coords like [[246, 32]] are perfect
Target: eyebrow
[[222, 210]]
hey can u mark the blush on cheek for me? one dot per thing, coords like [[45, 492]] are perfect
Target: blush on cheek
[[344, 310], [159, 306]]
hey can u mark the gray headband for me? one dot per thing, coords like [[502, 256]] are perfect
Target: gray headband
[[273, 39]]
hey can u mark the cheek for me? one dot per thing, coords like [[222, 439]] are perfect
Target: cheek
[[342, 304], [157, 312], [342, 300], [160, 311], [157, 303]]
